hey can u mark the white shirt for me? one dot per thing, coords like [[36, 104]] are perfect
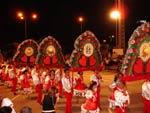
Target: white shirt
[[11, 73], [120, 98], [58, 76], [36, 79], [146, 90], [47, 79], [67, 84], [89, 94]]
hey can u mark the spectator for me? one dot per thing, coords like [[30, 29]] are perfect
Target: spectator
[[49, 101], [9, 103], [26, 109], [5, 109]]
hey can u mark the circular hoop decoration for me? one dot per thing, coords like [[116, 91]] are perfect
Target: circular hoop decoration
[[29, 51], [50, 50], [145, 51], [88, 49]]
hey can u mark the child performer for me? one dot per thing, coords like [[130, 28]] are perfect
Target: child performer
[[79, 90], [90, 105]]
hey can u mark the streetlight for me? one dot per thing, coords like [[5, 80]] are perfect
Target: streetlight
[[116, 15], [80, 19], [22, 16]]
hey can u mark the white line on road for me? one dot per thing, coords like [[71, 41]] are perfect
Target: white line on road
[[15, 97]]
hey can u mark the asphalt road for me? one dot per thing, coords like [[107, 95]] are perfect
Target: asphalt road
[[134, 89]]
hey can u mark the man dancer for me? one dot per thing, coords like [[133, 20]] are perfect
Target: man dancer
[[67, 86], [13, 76], [37, 80], [58, 77]]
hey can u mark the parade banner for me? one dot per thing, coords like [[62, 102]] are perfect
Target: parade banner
[[86, 54], [50, 53], [136, 64], [26, 53]]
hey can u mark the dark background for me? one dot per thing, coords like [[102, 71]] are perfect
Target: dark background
[[58, 18]]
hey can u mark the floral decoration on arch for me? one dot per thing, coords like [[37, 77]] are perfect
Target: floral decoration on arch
[[137, 57]]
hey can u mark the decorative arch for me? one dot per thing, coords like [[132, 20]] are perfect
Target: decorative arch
[[50, 53], [86, 54], [26, 53], [136, 64]]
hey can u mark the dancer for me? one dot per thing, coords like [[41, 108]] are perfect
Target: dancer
[[14, 79], [98, 79], [67, 83], [90, 105], [52, 78], [112, 87], [58, 77], [121, 97], [25, 82], [37, 80], [47, 80], [79, 90], [146, 95]]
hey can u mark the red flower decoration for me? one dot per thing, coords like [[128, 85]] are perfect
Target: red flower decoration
[[24, 58], [54, 59], [82, 61], [92, 61], [32, 59], [135, 50], [47, 60], [147, 30], [137, 40]]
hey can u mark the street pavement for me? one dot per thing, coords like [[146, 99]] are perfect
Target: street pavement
[[134, 89]]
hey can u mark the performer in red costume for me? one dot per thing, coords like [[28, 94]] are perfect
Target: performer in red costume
[[121, 97], [13, 76], [25, 81], [79, 90], [146, 96], [37, 80], [47, 80], [90, 105], [52, 78], [3, 76], [67, 86], [98, 79], [8, 76], [112, 87], [58, 77]]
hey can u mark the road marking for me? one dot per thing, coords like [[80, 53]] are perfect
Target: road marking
[[15, 97]]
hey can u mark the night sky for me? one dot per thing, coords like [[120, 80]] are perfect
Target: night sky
[[58, 18]]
